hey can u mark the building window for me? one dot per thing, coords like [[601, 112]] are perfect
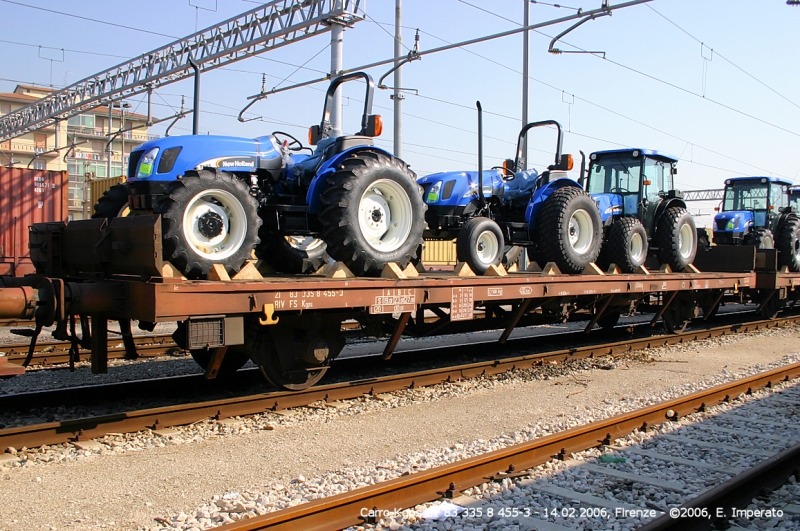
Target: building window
[[83, 120], [39, 165]]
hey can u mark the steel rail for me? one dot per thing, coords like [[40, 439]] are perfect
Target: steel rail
[[48, 353], [156, 418], [736, 492], [343, 510]]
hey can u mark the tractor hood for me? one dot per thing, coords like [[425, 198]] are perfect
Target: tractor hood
[[733, 221], [453, 188], [165, 159]]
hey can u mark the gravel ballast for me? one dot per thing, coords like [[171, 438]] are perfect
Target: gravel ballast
[[214, 472]]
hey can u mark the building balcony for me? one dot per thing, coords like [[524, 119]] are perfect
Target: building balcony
[[135, 136], [24, 148]]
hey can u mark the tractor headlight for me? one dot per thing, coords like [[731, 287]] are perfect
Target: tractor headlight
[[473, 190], [433, 192], [731, 224], [146, 164]]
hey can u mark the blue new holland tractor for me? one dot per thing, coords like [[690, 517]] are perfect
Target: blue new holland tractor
[[491, 213], [762, 212], [220, 198], [642, 212]]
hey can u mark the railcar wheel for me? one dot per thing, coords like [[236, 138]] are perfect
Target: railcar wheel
[[609, 320], [235, 358], [480, 244], [679, 313], [113, 203]]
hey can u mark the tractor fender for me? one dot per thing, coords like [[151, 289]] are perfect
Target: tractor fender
[[319, 183], [664, 205], [541, 195]]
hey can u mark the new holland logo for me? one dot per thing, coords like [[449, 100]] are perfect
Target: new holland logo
[[236, 163]]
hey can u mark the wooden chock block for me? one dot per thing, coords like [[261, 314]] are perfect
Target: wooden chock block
[[464, 270], [692, 269], [551, 269], [392, 270], [642, 270], [533, 267], [338, 270], [248, 272], [218, 272], [665, 268], [592, 269], [513, 268], [168, 271], [613, 269], [264, 268], [496, 271], [412, 271]]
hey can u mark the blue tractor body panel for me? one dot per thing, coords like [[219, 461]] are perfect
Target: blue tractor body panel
[[612, 205], [225, 153], [540, 196]]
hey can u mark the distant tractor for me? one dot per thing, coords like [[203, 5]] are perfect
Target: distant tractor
[[762, 212], [494, 213], [642, 212]]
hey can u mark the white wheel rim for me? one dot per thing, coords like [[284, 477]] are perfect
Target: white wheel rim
[[685, 240], [487, 247], [212, 203], [581, 231], [304, 243], [124, 211], [637, 247], [384, 215]]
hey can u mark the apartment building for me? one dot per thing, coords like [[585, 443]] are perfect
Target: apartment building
[[87, 144]]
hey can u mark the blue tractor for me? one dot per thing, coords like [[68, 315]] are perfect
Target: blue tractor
[[762, 212], [491, 213], [221, 198], [642, 212]]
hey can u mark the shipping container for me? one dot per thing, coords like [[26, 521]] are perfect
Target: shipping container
[[26, 197]]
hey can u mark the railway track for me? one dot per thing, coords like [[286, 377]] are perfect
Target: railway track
[[81, 429], [707, 435]]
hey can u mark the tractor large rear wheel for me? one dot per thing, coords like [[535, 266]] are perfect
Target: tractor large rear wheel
[[789, 244], [373, 213], [569, 230], [676, 238], [625, 246], [292, 254], [760, 239], [208, 217], [113, 203], [480, 244]]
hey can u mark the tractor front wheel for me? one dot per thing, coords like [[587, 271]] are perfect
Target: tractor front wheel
[[789, 244], [373, 213], [113, 204], [208, 217], [480, 244], [569, 230], [625, 246], [760, 239], [676, 237]]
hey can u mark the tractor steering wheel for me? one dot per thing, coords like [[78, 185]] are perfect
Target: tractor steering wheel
[[620, 190], [505, 173], [293, 144]]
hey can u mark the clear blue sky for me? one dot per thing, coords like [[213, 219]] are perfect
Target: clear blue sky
[[729, 106]]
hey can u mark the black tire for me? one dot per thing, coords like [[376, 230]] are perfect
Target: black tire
[[480, 244], [221, 212], [676, 238], [113, 204], [703, 240], [288, 255], [625, 245], [235, 358], [569, 230], [760, 239], [511, 255], [535, 256], [788, 244], [373, 213], [609, 319]]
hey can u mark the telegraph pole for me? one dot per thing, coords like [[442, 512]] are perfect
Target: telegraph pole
[[337, 47], [524, 155], [398, 96]]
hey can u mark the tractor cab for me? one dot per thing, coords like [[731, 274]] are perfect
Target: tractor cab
[[752, 208], [631, 182]]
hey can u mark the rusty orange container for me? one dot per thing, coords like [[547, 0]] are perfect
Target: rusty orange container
[[27, 197]]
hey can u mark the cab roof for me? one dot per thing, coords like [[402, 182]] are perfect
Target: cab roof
[[774, 180], [646, 152]]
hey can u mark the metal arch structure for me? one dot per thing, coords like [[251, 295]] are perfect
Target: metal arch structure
[[272, 25], [703, 195]]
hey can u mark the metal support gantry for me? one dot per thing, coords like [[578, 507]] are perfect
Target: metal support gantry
[[269, 26]]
